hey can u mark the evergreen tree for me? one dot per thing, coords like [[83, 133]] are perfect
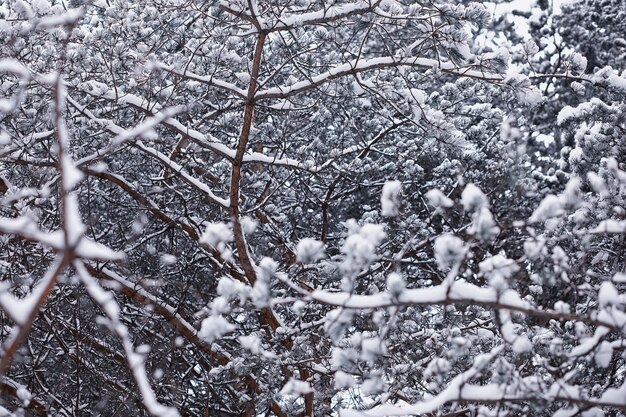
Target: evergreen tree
[[295, 207]]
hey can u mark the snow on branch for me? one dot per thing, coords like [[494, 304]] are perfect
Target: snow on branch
[[459, 292], [180, 171], [134, 358], [361, 65], [323, 16], [27, 229], [204, 140], [209, 80], [457, 390]]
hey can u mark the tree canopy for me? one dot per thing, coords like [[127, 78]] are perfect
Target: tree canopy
[[312, 207]]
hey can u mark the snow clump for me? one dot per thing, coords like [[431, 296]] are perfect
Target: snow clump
[[438, 200], [390, 199], [449, 250], [309, 250], [473, 199], [214, 327]]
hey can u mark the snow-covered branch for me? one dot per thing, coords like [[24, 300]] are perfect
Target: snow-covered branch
[[361, 65]]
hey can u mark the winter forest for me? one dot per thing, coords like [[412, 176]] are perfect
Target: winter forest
[[352, 208]]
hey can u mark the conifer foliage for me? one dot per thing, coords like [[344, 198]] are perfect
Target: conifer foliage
[[312, 208]]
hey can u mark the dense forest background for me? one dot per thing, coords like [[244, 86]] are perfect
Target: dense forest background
[[300, 207]]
